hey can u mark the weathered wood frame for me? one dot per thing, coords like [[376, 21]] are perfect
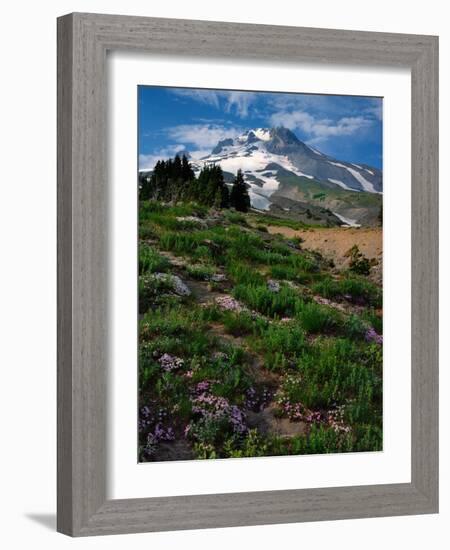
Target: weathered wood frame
[[83, 41]]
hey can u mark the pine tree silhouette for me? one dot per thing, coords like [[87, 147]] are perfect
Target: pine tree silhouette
[[174, 180], [239, 198]]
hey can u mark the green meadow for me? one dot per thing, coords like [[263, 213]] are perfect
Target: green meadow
[[249, 344]]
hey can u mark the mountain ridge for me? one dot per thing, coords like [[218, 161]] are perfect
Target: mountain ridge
[[279, 168], [264, 153]]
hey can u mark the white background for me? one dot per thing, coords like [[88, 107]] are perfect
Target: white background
[[130, 480], [28, 299]]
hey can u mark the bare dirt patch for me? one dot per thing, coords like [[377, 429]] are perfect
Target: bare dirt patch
[[334, 243], [267, 422]]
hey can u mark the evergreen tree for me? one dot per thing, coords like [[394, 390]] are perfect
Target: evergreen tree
[[239, 198], [211, 189], [176, 168], [187, 173], [174, 180], [224, 197]]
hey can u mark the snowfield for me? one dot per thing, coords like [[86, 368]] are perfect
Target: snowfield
[[253, 158], [262, 133], [262, 169], [341, 184], [367, 186], [347, 221], [258, 201]]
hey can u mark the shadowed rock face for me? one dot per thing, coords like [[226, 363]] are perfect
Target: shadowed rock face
[[219, 147], [283, 139]]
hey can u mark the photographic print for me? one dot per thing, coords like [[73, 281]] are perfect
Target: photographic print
[[260, 273]]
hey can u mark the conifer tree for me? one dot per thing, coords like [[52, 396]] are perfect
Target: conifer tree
[[176, 168], [174, 180], [187, 173], [239, 198]]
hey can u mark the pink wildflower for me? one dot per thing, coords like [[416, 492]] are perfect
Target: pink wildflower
[[170, 362], [228, 303]]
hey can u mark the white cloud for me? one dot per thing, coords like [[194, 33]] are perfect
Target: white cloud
[[197, 139], [318, 128], [230, 101], [239, 102], [202, 136], [147, 162], [210, 97], [376, 109]]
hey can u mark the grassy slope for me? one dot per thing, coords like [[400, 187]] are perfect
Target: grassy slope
[[337, 199], [209, 375]]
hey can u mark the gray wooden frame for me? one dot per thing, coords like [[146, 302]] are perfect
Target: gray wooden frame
[[83, 41]]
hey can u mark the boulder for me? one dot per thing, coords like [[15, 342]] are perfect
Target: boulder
[[175, 282]]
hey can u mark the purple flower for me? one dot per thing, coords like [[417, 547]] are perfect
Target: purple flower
[[229, 303], [202, 386], [170, 362], [212, 408], [372, 336]]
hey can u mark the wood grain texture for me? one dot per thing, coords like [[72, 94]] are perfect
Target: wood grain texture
[[425, 260], [83, 41], [64, 251]]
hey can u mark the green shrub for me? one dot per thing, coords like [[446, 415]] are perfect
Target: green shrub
[[244, 274], [338, 371], [355, 327], [304, 263], [368, 438], [356, 288], [177, 330], [235, 217], [200, 272], [281, 344], [203, 451], [284, 303], [253, 444], [359, 264], [181, 243], [152, 291], [280, 247], [150, 261], [316, 318], [289, 273], [373, 318], [279, 222], [242, 323], [319, 440]]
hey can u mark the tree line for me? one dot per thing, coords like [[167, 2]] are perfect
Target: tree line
[[174, 180]]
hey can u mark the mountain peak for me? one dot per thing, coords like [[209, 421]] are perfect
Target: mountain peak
[[266, 155], [279, 136], [254, 134], [284, 136]]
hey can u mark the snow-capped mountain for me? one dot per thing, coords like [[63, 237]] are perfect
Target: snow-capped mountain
[[269, 157]]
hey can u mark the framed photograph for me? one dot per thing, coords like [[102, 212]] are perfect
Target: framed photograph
[[247, 274]]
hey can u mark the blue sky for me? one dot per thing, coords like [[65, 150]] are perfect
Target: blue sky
[[348, 128]]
